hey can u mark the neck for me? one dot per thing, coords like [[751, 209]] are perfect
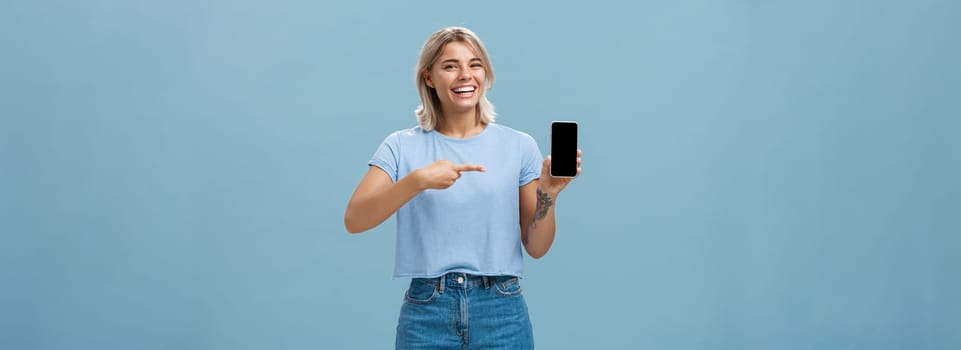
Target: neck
[[460, 125]]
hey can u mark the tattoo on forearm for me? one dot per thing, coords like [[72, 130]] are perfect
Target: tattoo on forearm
[[544, 202]]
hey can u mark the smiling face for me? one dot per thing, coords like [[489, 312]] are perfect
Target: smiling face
[[458, 77]]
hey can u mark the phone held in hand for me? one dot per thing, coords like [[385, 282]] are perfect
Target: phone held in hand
[[563, 149]]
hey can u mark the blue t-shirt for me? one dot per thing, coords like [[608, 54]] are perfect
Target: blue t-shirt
[[474, 225]]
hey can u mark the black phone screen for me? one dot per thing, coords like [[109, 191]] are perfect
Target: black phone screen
[[564, 149]]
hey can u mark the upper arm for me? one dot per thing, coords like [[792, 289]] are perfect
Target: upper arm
[[375, 180]]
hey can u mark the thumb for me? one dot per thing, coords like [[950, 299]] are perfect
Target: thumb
[[469, 167]]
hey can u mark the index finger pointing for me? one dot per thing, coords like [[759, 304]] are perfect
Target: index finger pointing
[[469, 167]]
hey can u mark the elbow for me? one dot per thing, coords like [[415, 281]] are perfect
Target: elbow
[[352, 229], [536, 254], [351, 224]]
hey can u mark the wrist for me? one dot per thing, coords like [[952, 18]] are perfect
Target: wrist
[[416, 180]]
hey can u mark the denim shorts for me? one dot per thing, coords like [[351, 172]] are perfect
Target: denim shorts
[[462, 311]]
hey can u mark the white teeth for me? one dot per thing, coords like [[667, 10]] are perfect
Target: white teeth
[[465, 89]]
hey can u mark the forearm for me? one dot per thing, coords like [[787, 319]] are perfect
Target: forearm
[[538, 235], [369, 210]]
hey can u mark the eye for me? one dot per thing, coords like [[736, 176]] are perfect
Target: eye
[[477, 65], [449, 67]]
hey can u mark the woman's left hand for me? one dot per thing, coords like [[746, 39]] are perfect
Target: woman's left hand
[[553, 185]]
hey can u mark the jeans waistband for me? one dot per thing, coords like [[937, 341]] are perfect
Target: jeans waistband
[[466, 280]]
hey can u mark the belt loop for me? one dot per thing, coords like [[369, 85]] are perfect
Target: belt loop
[[487, 282], [443, 281]]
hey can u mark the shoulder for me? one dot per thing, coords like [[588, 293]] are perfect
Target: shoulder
[[524, 142], [409, 132], [404, 135], [510, 132]]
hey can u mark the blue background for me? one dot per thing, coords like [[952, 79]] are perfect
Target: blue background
[[757, 174]]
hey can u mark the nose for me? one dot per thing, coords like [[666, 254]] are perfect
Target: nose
[[465, 74]]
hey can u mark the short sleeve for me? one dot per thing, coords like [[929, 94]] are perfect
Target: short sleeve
[[387, 156], [530, 160]]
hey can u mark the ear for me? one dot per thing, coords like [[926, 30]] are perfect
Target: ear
[[430, 83]]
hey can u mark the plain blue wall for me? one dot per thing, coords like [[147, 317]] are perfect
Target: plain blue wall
[[758, 174]]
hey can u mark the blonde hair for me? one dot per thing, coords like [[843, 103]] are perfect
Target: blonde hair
[[428, 113]]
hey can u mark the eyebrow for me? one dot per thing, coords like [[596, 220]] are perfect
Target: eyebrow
[[454, 60]]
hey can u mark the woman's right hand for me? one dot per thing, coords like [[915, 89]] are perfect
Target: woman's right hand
[[443, 174]]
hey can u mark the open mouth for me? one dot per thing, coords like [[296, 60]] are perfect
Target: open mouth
[[464, 90]]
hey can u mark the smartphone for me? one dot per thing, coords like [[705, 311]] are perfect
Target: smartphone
[[563, 149]]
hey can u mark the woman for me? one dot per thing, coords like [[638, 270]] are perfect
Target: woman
[[468, 194]]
